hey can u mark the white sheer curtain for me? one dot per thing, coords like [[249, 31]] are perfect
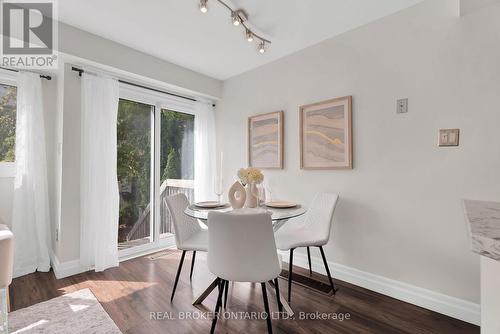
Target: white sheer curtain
[[204, 150], [99, 204], [30, 213]]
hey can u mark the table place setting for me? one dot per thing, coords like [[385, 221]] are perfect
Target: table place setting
[[245, 195], [210, 205], [281, 204]]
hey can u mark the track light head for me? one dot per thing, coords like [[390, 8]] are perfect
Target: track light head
[[235, 18], [203, 6], [262, 47], [239, 17], [249, 35]]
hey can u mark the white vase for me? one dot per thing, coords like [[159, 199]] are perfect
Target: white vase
[[252, 200], [237, 195]]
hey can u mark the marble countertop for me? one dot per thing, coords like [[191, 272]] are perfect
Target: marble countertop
[[484, 226]]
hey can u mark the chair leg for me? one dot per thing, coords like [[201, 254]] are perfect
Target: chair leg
[[217, 306], [192, 265], [309, 260], [178, 274], [277, 288], [266, 308], [226, 288], [290, 275], [327, 269]]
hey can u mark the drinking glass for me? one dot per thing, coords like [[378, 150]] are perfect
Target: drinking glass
[[218, 187], [270, 189]]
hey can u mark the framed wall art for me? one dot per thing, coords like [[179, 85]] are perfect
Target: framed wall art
[[265, 140], [326, 134]]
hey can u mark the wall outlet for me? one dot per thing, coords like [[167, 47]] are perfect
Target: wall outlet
[[449, 137], [402, 106]]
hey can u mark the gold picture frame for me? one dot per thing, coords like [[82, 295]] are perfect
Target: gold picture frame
[[265, 140], [326, 134]]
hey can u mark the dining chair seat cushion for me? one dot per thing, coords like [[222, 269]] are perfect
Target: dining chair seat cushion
[[189, 233], [294, 237], [198, 241], [314, 229]]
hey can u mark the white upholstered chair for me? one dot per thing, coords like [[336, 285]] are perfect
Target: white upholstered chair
[[189, 235], [313, 231], [241, 248], [6, 260]]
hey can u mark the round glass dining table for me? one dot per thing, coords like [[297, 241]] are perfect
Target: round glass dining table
[[278, 216]]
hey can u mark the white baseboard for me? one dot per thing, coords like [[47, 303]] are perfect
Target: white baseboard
[[434, 301], [65, 269], [70, 268]]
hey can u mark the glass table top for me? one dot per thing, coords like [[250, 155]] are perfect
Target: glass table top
[[276, 214]]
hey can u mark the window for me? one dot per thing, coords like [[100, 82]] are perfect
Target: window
[[134, 172], [176, 161], [8, 106], [7, 122], [155, 159]]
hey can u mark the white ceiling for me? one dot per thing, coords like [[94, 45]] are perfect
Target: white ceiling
[[176, 31]]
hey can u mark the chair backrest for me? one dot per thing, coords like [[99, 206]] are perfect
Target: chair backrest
[[184, 226], [319, 217], [241, 247], [6, 256]]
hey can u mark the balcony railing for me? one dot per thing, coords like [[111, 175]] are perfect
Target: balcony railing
[[169, 187]]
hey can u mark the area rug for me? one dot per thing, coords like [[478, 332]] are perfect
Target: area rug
[[77, 312]]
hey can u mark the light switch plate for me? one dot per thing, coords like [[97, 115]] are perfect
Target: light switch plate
[[402, 106], [449, 137]]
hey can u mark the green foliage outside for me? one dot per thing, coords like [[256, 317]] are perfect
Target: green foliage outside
[[7, 123], [177, 134], [133, 161], [173, 168], [134, 156]]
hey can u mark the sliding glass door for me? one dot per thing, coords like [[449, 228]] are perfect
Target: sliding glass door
[[176, 162], [134, 144], [155, 160]]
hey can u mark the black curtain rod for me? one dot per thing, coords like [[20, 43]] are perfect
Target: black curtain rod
[[80, 71], [48, 77]]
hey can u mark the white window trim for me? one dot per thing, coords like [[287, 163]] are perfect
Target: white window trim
[[157, 99], [8, 169]]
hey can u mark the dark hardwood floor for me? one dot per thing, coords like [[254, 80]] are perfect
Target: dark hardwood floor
[[140, 286]]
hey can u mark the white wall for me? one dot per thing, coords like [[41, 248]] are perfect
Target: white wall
[[400, 213], [80, 43], [68, 247], [469, 6]]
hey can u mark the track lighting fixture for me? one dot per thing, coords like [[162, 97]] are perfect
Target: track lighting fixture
[[203, 6], [249, 36], [236, 19], [262, 47], [239, 17]]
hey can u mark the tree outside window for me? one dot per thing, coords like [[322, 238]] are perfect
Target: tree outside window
[[8, 102]]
